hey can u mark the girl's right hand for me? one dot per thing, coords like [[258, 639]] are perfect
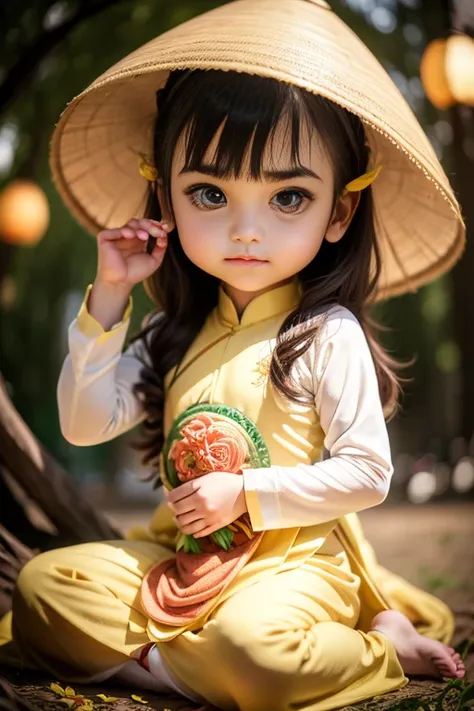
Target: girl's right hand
[[123, 259]]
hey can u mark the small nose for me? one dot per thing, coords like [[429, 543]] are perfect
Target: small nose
[[246, 232]]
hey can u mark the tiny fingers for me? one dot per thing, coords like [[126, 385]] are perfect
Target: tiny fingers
[[134, 230], [110, 235], [162, 225], [206, 531], [151, 234], [158, 236], [153, 228], [129, 233], [143, 229], [192, 529]]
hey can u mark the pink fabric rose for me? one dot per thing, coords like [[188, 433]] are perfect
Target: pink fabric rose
[[208, 445]]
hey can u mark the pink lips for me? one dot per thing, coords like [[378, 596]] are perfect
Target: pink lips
[[246, 260]]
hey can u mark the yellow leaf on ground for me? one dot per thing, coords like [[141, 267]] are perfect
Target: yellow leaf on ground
[[69, 702], [57, 689], [69, 691], [139, 699], [107, 699]]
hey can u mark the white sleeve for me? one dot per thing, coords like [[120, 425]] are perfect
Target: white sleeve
[[339, 370], [95, 390]]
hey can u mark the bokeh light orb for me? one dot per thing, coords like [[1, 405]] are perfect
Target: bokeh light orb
[[433, 75], [421, 487], [447, 71], [463, 476], [24, 213], [460, 68]]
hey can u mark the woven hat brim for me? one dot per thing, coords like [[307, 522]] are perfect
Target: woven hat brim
[[96, 146]]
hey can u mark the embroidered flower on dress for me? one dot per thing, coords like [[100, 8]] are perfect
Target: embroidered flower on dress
[[262, 369]]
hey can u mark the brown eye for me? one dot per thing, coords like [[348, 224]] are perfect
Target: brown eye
[[291, 200], [206, 197]]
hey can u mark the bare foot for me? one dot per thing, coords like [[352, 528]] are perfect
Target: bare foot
[[418, 655]]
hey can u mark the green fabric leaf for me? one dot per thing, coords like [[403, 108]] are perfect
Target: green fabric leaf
[[223, 537], [191, 545]]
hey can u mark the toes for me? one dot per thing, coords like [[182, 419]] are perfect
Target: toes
[[446, 665]]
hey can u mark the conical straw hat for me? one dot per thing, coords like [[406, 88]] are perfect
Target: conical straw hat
[[97, 143]]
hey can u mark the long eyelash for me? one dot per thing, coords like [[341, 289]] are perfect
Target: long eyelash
[[194, 198]]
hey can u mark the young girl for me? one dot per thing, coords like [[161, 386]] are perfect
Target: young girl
[[262, 243]]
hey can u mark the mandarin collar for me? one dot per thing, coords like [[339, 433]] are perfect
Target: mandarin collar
[[271, 303]]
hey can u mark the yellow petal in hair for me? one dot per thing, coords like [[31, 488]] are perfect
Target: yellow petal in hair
[[147, 171], [363, 181]]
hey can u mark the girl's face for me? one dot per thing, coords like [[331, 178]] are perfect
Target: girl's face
[[255, 235]]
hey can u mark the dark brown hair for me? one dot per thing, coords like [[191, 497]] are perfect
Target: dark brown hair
[[194, 104]]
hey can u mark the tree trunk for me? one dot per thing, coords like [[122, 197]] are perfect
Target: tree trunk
[[45, 482], [14, 517], [13, 556]]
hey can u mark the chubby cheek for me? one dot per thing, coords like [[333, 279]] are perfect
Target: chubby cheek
[[197, 240], [198, 249], [296, 250]]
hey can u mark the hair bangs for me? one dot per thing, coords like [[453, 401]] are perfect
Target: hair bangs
[[238, 115]]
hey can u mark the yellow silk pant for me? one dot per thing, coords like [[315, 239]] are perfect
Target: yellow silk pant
[[285, 641]]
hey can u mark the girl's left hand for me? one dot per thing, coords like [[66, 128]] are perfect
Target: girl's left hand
[[205, 505]]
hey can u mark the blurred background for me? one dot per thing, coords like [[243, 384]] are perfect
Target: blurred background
[[50, 51]]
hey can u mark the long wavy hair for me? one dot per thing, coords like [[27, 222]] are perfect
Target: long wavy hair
[[194, 104]]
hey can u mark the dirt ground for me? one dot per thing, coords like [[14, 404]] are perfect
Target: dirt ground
[[431, 546]]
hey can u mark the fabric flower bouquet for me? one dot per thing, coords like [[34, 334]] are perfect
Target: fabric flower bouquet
[[212, 438]]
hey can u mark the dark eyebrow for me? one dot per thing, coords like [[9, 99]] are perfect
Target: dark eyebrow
[[274, 176]]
